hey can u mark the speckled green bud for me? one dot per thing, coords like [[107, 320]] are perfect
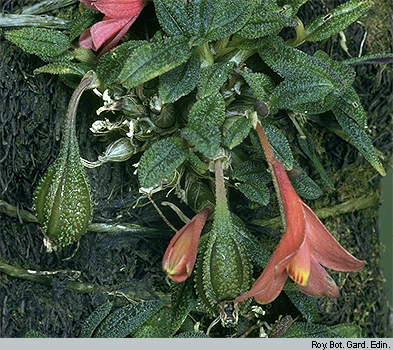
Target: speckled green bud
[[62, 199], [224, 270]]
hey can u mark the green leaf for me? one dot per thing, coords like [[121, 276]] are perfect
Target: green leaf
[[183, 299], [157, 326], [307, 305], [253, 177], [347, 330], [39, 41], [261, 84], [123, 321], [279, 145], [209, 109], [307, 146], [295, 64], [94, 319], [259, 255], [214, 20], [309, 330], [160, 160], [204, 120], [213, 77], [324, 26], [294, 93], [204, 136], [64, 68], [172, 15], [306, 187], [359, 139], [266, 21], [236, 131], [350, 104], [150, 60], [112, 63], [179, 81]]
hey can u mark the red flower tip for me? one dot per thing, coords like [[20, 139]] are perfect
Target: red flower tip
[[119, 17], [179, 258]]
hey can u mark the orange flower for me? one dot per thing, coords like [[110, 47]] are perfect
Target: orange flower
[[180, 256], [119, 17], [304, 247]]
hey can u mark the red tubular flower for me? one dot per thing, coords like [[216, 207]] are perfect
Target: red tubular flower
[[119, 17], [304, 247], [180, 256]]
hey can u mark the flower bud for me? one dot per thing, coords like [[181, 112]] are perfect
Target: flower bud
[[180, 256]]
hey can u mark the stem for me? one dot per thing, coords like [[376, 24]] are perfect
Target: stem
[[221, 195], [265, 145], [300, 34]]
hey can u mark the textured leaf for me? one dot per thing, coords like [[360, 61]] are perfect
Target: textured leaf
[[123, 321], [347, 330], [350, 104], [160, 160], [157, 326], [183, 299], [259, 255], [280, 145], [266, 21], [253, 177], [39, 41], [293, 63], [307, 305], [111, 64], [236, 132], [203, 135], [150, 60], [209, 109], [306, 187], [94, 319], [179, 81], [307, 146], [309, 330], [324, 26], [84, 21], [294, 93], [213, 77], [172, 15], [359, 139], [64, 68], [261, 85], [214, 20]]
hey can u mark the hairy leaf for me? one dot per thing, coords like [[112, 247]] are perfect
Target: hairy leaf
[[160, 160]]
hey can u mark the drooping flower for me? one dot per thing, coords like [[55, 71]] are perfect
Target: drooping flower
[[180, 255], [304, 247], [119, 17]]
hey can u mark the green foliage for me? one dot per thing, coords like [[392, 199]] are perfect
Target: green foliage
[[160, 160], [39, 41], [196, 70], [94, 319], [127, 319], [324, 26], [179, 81]]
